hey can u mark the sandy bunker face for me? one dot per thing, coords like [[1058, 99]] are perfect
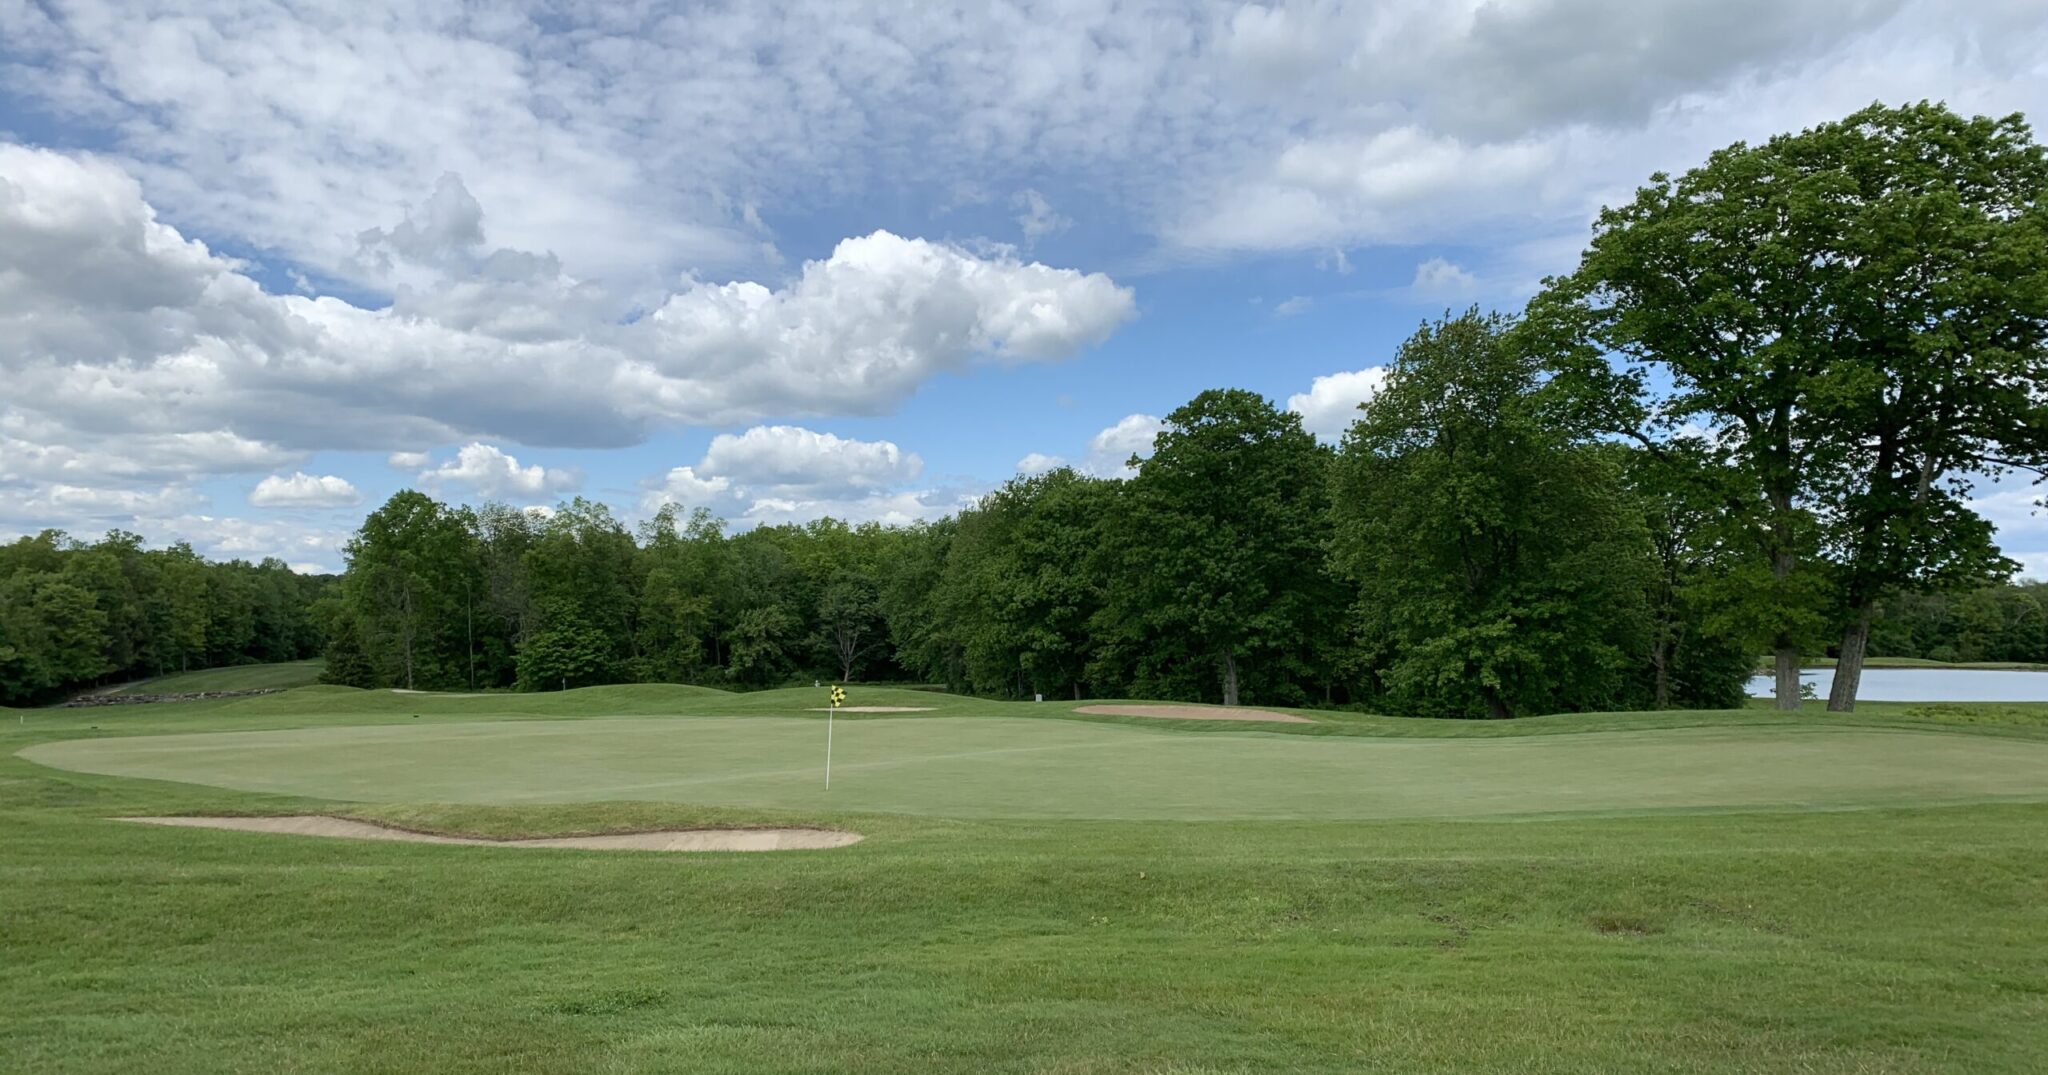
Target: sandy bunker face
[[1192, 712], [669, 840]]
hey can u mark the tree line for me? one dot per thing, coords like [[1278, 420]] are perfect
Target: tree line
[[1748, 421], [1471, 559], [75, 614], [2006, 623]]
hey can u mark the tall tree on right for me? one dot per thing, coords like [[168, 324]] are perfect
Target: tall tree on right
[[1852, 317]]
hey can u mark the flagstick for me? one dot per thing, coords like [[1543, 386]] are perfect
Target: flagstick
[[828, 746]]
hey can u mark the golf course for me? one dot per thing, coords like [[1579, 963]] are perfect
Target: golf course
[[1033, 888]]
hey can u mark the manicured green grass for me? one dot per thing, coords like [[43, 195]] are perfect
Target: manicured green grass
[[1020, 767], [239, 677], [1646, 940]]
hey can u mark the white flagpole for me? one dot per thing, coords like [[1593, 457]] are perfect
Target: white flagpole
[[828, 745]]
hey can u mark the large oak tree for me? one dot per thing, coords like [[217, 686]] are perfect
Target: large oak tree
[[1854, 318]]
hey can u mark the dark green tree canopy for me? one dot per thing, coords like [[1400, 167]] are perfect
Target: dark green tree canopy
[[1221, 537], [1499, 566], [1854, 318]]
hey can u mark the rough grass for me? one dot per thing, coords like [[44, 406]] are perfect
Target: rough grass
[[240, 677], [1882, 940]]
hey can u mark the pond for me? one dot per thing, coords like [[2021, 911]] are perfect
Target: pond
[[1927, 685]]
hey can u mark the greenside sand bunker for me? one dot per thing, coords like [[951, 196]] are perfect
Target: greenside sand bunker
[[1193, 712], [665, 840], [1035, 768]]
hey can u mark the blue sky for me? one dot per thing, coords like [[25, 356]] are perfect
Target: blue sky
[[263, 264]]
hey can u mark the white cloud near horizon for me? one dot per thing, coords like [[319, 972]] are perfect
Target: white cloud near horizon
[[303, 490], [488, 471], [1330, 405], [777, 474], [1111, 450], [1038, 463]]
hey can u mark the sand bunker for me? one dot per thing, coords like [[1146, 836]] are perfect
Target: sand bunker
[[669, 840], [876, 709], [1192, 712]]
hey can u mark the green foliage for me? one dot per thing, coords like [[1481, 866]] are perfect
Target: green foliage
[[1500, 566], [1022, 582], [410, 588], [850, 621], [76, 614], [1857, 314], [1998, 624], [1703, 596], [1218, 548], [568, 652]]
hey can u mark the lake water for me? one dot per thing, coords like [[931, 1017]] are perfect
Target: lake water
[[1927, 685]]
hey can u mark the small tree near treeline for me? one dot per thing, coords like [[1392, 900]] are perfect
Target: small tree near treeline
[[1851, 318]]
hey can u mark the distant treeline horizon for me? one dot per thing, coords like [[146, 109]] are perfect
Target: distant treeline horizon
[[234, 612]]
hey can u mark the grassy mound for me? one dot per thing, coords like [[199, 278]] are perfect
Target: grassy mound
[[240, 677]]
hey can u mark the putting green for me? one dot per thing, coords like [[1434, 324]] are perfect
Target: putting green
[[1020, 767]]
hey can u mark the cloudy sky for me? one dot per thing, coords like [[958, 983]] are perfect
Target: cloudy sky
[[263, 264]]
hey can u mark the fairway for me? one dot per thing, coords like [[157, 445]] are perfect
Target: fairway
[[995, 767]]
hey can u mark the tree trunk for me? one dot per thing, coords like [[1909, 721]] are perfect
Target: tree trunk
[[1849, 666], [1230, 679], [1785, 654], [1786, 660], [1496, 706], [1660, 659]]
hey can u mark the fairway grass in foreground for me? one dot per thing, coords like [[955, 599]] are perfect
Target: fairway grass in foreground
[[1018, 767], [1823, 942]]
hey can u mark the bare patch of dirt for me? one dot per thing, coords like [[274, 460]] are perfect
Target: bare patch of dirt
[[1192, 712], [669, 840], [875, 709]]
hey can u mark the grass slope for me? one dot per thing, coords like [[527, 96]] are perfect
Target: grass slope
[[239, 677], [1877, 940]]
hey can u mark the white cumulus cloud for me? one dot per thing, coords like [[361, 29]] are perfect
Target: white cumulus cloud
[[303, 490], [488, 471], [1110, 451], [786, 473], [785, 458], [1330, 405], [1438, 279]]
